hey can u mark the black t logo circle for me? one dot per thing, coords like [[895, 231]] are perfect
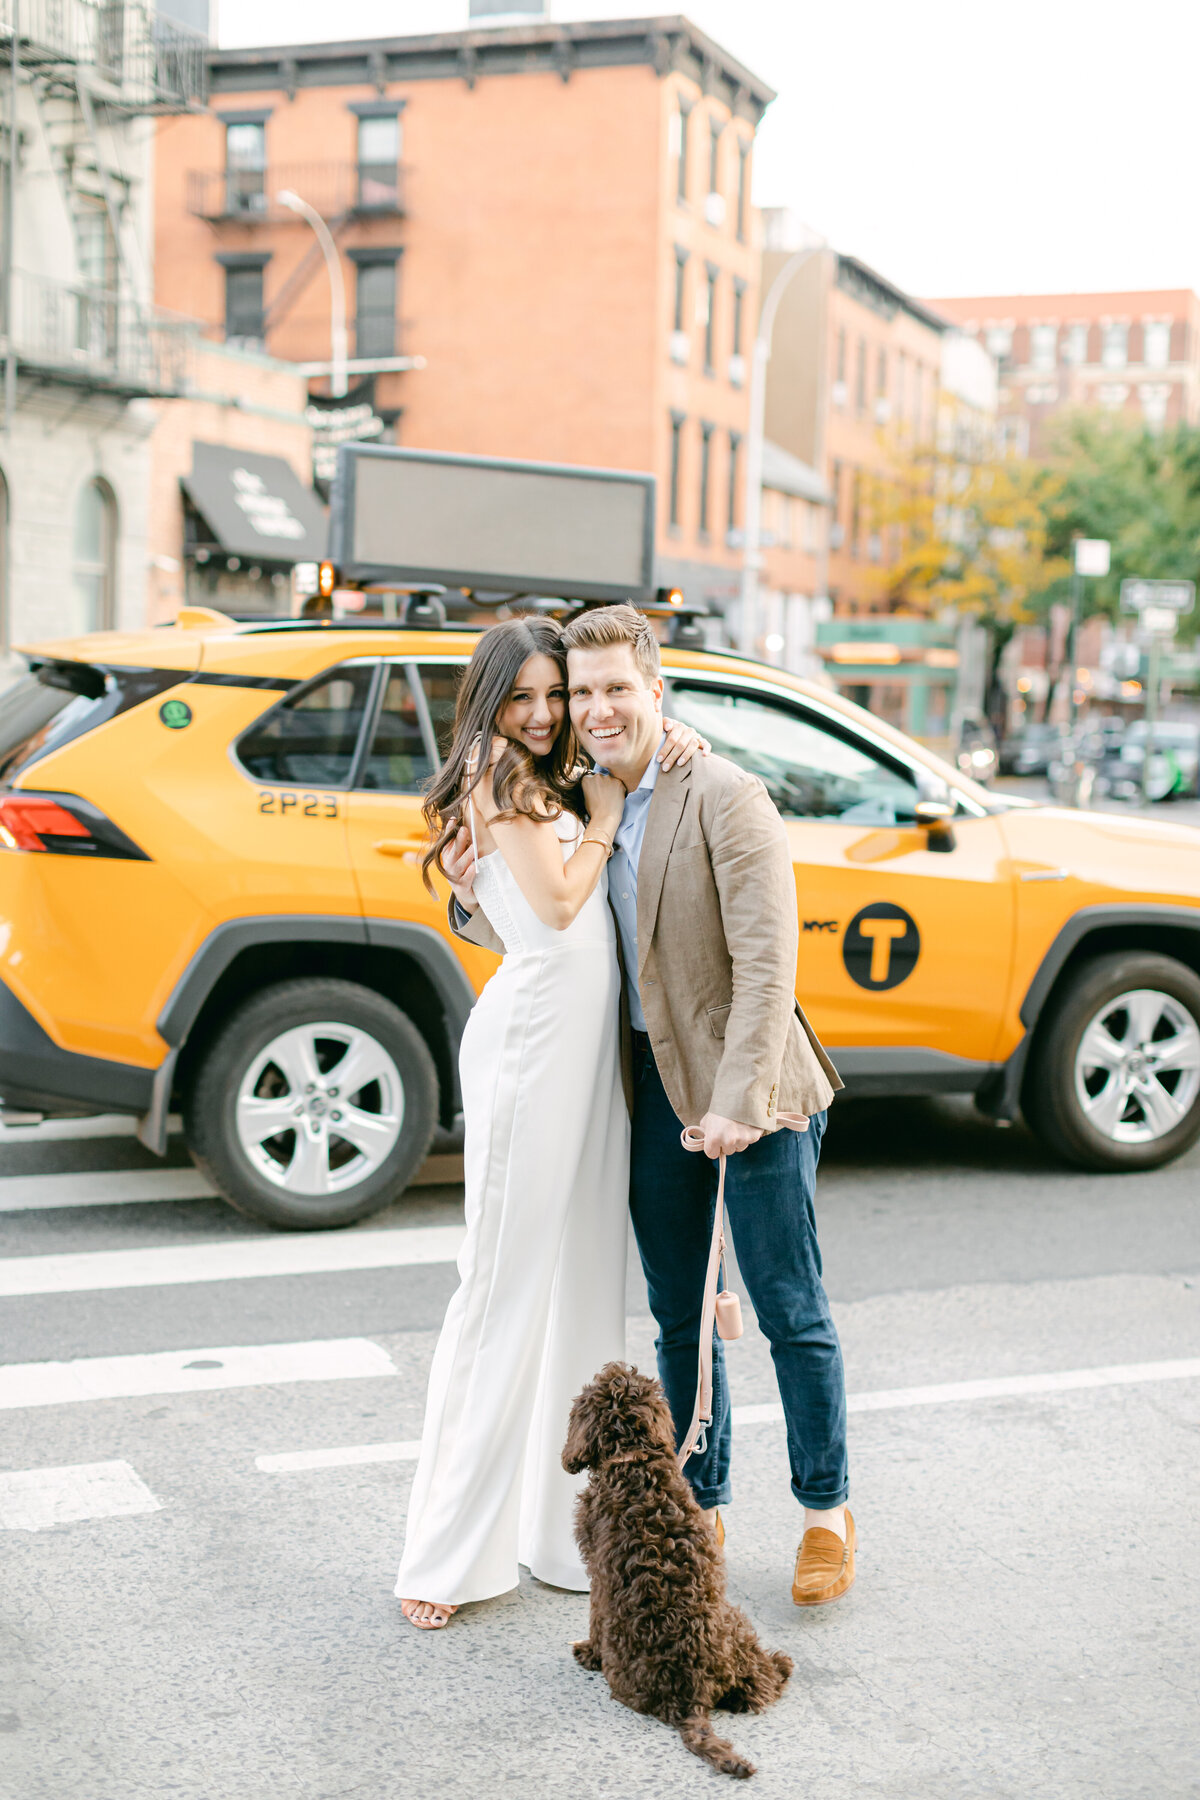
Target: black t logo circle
[[881, 946]]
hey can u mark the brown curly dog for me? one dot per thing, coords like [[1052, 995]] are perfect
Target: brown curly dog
[[663, 1634]]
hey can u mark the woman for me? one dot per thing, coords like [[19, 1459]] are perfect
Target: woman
[[541, 1305]]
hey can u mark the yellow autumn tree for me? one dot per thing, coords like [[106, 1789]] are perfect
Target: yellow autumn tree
[[972, 535]]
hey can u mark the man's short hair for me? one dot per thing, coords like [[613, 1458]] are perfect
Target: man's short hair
[[602, 626]]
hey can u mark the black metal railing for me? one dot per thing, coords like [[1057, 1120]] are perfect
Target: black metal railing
[[147, 62], [89, 338], [332, 189]]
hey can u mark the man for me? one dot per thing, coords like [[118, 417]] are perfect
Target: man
[[701, 887]]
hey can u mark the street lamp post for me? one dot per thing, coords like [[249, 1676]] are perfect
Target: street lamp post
[[338, 343], [761, 356]]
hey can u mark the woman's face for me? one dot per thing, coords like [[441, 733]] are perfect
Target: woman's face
[[534, 711]]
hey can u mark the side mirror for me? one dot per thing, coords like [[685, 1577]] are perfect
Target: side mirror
[[933, 810]]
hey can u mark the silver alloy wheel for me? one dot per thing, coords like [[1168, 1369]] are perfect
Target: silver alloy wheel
[[1137, 1069], [320, 1108]]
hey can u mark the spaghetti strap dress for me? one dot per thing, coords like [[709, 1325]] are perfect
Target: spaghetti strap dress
[[541, 1301]]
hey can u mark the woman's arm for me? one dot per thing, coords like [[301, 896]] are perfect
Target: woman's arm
[[556, 890]]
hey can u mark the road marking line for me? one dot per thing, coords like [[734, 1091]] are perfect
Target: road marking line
[[243, 1259], [38, 1499], [884, 1400], [110, 1187], [190, 1371], [339, 1459]]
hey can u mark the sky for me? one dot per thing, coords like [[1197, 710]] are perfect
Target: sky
[[958, 146]]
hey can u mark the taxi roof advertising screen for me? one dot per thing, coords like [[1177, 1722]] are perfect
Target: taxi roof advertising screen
[[483, 523]]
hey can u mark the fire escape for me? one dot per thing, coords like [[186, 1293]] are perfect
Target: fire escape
[[74, 282]]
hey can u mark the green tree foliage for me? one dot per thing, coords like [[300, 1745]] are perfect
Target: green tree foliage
[[1138, 489]]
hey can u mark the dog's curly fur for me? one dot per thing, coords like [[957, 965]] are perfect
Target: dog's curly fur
[[663, 1634]]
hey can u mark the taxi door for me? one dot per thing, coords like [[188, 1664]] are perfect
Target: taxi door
[[903, 945], [385, 826]]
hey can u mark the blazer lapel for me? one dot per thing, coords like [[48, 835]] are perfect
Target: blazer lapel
[[662, 822]]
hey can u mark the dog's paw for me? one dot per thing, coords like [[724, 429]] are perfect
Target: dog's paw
[[783, 1663], [585, 1654]]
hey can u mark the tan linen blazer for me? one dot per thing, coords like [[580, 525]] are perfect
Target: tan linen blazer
[[718, 936]]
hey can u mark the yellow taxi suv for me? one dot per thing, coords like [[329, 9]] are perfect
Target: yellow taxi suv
[[211, 900]]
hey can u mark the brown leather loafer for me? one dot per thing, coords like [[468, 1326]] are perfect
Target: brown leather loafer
[[824, 1565]]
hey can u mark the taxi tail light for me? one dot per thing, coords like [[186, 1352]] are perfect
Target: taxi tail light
[[63, 825]]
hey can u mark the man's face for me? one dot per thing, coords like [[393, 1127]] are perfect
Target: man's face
[[616, 712]]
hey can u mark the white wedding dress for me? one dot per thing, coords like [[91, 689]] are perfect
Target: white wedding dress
[[541, 1305]]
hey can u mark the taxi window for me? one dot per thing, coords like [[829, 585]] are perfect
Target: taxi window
[[311, 738], [440, 681], [809, 772], [397, 762]]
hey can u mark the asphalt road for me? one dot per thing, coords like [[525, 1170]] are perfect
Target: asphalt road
[[186, 1612]]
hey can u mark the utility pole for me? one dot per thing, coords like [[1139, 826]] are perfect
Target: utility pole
[[761, 356]]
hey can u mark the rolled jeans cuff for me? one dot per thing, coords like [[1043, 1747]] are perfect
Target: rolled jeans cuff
[[820, 1502], [707, 1497]]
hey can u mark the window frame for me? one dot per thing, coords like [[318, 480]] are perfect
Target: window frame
[[365, 731], [821, 718], [416, 687]]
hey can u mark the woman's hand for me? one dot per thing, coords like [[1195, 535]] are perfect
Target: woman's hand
[[458, 866], [604, 798], [682, 743]]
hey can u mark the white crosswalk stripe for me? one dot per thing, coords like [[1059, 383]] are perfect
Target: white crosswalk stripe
[[106, 1187], [53, 1131], [39, 1499], [190, 1371]]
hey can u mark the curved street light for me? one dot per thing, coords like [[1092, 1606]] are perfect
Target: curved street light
[[751, 532], [338, 342]]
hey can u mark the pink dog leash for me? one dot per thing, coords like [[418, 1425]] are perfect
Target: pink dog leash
[[724, 1308]]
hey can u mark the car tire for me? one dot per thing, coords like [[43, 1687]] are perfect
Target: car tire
[[1101, 1112], [303, 1174]]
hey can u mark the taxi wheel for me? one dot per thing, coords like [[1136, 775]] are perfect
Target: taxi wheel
[[314, 1105], [1114, 1078]]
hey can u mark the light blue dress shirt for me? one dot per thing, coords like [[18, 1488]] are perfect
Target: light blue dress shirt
[[623, 879]]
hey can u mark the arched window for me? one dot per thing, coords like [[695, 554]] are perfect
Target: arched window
[[93, 584]]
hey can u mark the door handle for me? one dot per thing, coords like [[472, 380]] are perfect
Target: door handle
[[400, 846]]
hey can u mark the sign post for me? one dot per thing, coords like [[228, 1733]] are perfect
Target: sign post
[[1092, 557], [1159, 605]]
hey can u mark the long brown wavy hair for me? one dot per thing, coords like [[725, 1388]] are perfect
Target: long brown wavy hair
[[522, 785]]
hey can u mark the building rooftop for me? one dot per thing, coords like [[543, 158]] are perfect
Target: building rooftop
[[667, 43]]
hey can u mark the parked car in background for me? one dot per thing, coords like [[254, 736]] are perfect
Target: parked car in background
[[976, 755], [1032, 750], [1174, 769]]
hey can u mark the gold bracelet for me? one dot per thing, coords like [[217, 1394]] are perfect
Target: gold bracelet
[[603, 842]]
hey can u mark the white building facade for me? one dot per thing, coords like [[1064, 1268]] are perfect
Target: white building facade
[[84, 353]]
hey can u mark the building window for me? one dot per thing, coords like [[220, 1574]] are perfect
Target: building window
[[881, 376], [681, 257], [1075, 344], [715, 129], [1156, 343], [901, 368], [1043, 347], [706, 435], [1114, 345], [375, 307], [683, 115], [743, 190], [246, 167], [710, 321], [855, 509], [673, 485], [739, 305], [92, 559], [244, 301], [998, 339], [860, 385], [735, 456], [379, 163]]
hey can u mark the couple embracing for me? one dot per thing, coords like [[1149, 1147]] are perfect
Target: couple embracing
[[646, 911]]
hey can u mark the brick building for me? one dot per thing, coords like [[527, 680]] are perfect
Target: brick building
[[545, 233], [1136, 354]]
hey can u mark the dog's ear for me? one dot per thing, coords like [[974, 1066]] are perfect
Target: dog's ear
[[598, 1425]]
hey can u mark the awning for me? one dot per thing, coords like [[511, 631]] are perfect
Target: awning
[[256, 506]]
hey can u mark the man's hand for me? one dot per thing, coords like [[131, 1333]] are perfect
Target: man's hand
[[458, 866], [726, 1136]]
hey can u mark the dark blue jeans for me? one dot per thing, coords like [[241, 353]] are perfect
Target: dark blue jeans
[[769, 1191]]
